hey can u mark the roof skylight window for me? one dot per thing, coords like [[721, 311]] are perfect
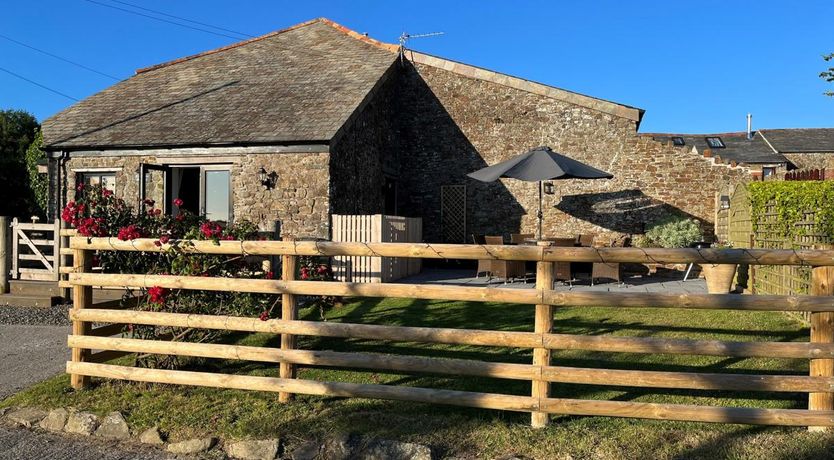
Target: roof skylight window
[[715, 142]]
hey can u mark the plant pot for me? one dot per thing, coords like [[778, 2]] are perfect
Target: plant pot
[[719, 277]]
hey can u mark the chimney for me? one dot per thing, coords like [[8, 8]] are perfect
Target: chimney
[[749, 127]]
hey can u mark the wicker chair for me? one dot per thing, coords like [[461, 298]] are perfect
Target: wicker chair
[[484, 266], [611, 271], [506, 269], [520, 238], [561, 270]]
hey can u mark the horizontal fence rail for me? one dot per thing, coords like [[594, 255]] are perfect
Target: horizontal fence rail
[[472, 252], [462, 293], [819, 384]]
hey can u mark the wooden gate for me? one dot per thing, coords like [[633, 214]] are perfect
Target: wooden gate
[[453, 213], [35, 250]]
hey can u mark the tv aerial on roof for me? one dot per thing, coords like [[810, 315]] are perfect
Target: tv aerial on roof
[[405, 37]]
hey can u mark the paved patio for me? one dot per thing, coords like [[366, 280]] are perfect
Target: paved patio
[[668, 284]]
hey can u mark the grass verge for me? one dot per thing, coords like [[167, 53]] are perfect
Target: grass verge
[[455, 431]]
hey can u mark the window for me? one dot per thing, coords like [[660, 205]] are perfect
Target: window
[[768, 171], [677, 140], [715, 143], [106, 180], [203, 189]]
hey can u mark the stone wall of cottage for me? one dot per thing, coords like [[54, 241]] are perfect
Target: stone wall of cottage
[[811, 160], [453, 125], [365, 153], [300, 199]]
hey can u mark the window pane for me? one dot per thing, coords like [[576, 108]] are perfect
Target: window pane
[[217, 195], [108, 181]]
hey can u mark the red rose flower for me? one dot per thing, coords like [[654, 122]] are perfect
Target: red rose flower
[[157, 295], [131, 232], [178, 202]]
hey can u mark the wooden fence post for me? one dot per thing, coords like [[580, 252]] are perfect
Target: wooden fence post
[[822, 331], [543, 325], [82, 297], [4, 254], [56, 249], [289, 311]]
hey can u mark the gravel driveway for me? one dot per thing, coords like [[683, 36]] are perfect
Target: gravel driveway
[[19, 443], [33, 346]]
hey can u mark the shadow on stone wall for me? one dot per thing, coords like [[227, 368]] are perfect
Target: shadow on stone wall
[[435, 152], [623, 211]]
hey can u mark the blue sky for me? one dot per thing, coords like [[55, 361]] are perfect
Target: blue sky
[[693, 66]]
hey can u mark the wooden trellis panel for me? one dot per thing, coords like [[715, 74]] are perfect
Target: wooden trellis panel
[[453, 213]]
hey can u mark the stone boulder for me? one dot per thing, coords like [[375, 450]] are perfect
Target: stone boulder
[[253, 450], [151, 436], [394, 450], [56, 420], [191, 446], [27, 416], [83, 423], [113, 426]]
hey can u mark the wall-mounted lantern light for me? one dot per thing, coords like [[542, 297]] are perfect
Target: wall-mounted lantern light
[[267, 179], [549, 188], [725, 201]]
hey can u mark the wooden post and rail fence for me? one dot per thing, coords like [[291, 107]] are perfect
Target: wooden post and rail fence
[[540, 403]]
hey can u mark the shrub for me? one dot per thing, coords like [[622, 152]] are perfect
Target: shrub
[[98, 213], [674, 232]]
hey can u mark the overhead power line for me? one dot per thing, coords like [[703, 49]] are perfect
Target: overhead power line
[[183, 19], [58, 57], [37, 84], [219, 34]]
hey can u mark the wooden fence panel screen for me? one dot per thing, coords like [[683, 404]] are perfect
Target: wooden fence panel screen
[[376, 228]]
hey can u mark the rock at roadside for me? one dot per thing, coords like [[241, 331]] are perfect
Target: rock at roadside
[[83, 423], [253, 450], [393, 450], [56, 420], [192, 446], [27, 416], [307, 451], [151, 436], [113, 426], [337, 448], [3, 410]]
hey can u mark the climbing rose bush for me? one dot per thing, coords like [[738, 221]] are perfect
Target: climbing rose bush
[[98, 213]]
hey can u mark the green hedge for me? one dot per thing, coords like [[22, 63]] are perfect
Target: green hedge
[[793, 199]]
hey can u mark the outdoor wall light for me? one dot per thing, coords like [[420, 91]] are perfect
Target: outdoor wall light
[[725, 202], [268, 180], [549, 188]]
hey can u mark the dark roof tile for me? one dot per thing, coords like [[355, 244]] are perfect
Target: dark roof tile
[[801, 139], [296, 85], [737, 147]]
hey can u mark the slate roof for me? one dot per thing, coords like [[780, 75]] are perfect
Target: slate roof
[[292, 86], [737, 147], [806, 140], [297, 85]]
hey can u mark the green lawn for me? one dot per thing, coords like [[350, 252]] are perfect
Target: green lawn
[[185, 411]]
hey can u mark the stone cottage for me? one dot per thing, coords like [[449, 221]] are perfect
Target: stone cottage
[[767, 152], [316, 120]]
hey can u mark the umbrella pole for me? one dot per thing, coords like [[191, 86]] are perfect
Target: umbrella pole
[[540, 214]]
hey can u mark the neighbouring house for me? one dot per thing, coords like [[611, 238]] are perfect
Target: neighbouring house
[[317, 120], [767, 151]]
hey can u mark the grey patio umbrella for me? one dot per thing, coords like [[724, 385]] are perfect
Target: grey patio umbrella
[[537, 165]]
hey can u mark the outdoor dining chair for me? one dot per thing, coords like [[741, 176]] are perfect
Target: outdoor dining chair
[[561, 270], [484, 266], [506, 269], [521, 238]]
